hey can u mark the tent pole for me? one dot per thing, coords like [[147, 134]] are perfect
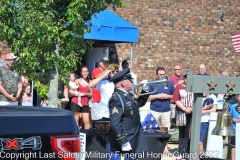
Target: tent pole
[[32, 92], [131, 54]]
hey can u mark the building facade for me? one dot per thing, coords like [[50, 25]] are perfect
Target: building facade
[[185, 32]]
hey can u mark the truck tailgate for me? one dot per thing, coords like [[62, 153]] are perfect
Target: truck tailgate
[[28, 130]]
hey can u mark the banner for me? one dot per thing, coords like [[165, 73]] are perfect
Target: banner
[[83, 145]]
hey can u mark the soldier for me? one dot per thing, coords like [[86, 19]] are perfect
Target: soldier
[[126, 134], [10, 82]]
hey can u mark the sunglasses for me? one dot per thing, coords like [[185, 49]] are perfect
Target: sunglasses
[[177, 69], [114, 72], [10, 60]]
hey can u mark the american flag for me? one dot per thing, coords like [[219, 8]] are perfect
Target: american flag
[[236, 42], [150, 122]]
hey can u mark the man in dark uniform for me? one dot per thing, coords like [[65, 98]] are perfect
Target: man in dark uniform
[[126, 134]]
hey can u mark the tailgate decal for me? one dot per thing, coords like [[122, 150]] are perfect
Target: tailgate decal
[[20, 143]]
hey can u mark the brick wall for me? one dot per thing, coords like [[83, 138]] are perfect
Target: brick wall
[[185, 32]]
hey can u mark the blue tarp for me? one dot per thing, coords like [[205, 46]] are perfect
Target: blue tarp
[[107, 26]]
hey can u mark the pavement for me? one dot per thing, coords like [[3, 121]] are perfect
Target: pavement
[[172, 148]]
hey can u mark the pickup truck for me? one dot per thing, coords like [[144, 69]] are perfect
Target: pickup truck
[[28, 133]]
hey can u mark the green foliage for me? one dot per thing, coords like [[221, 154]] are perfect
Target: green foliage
[[33, 28], [41, 89]]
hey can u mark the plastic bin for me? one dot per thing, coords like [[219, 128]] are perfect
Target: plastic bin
[[97, 144], [156, 144]]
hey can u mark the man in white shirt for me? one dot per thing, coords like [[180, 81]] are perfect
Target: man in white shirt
[[106, 88]]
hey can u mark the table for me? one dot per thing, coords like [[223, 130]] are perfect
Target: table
[[97, 146]]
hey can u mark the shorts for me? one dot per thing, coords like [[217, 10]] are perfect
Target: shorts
[[75, 107], [232, 141], [203, 130], [163, 118]]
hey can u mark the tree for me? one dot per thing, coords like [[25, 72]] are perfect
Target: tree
[[48, 37]]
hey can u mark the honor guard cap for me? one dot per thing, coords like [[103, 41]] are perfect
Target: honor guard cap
[[124, 74]]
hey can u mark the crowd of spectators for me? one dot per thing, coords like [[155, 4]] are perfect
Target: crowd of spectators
[[165, 104]]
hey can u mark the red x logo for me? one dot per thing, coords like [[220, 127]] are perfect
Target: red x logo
[[12, 144]]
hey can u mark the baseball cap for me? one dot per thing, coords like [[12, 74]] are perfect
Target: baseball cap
[[14, 57], [113, 67], [104, 59]]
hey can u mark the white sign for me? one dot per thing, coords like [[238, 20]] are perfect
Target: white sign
[[83, 145], [237, 141], [2, 62], [95, 111]]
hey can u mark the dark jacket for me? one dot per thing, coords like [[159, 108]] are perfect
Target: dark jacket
[[125, 125]]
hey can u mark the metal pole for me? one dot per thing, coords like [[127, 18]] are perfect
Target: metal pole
[[131, 54], [237, 140], [196, 120], [32, 92]]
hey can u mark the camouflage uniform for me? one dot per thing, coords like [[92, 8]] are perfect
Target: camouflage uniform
[[10, 80]]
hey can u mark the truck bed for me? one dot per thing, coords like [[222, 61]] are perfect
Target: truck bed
[[29, 120], [30, 131]]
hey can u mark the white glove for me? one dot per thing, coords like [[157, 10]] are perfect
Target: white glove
[[126, 147], [145, 86]]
